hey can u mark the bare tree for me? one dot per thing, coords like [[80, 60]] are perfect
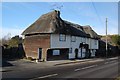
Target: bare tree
[[5, 39]]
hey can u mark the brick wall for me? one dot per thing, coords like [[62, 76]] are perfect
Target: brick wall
[[33, 42]]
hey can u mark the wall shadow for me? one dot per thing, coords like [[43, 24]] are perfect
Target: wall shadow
[[112, 51], [12, 54], [63, 55]]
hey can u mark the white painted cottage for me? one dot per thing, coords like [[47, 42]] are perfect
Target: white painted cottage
[[50, 38]]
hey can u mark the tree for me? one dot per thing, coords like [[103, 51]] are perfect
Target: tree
[[5, 39], [116, 40], [14, 41]]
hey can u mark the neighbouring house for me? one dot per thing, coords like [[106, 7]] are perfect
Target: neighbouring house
[[51, 37]]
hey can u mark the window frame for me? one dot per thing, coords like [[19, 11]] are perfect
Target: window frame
[[73, 38], [62, 37], [56, 52]]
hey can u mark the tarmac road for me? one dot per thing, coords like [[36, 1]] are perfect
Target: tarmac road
[[90, 70]]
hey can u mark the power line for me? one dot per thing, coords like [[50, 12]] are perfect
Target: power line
[[97, 12]]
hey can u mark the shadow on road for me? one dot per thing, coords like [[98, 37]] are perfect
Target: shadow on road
[[5, 63]]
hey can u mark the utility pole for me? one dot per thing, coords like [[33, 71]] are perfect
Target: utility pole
[[106, 38]]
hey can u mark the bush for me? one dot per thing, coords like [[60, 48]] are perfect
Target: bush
[[24, 57], [30, 58]]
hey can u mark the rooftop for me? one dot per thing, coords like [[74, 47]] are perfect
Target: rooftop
[[52, 23]]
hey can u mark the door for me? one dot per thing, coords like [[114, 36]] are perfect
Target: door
[[76, 53], [39, 53]]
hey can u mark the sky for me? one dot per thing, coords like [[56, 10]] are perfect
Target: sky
[[119, 18], [17, 16]]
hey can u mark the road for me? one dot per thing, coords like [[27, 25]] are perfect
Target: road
[[96, 70]]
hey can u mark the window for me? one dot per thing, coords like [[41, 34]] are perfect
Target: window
[[83, 39], [73, 38], [62, 37], [56, 52]]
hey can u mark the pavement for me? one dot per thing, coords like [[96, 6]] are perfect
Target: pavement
[[63, 62]]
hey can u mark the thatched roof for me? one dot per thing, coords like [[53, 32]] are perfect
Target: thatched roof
[[52, 23], [90, 31]]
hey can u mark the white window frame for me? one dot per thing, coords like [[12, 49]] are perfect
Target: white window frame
[[56, 52], [73, 38], [83, 39], [62, 37]]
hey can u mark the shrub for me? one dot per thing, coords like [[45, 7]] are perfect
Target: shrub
[[30, 58]]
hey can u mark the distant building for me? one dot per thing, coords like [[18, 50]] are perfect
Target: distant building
[[50, 37]]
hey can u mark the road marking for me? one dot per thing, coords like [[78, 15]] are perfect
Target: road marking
[[89, 67], [85, 67], [51, 75], [77, 69], [106, 62]]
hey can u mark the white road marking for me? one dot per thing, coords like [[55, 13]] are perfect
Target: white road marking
[[51, 75], [85, 67], [89, 67], [106, 62], [77, 69]]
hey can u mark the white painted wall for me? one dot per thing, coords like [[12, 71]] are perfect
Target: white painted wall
[[94, 44], [56, 43], [72, 55], [79, 53], [83, 54], [75, 45]]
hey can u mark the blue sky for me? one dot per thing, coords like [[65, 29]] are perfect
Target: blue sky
[[17, 16]]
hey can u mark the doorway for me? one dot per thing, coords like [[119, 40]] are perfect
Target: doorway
[[39, 53], [76, 53]]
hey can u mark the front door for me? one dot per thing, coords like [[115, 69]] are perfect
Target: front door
[[39, 53], [76, 53]]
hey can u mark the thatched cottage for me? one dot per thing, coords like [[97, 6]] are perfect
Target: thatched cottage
[[51, 37]]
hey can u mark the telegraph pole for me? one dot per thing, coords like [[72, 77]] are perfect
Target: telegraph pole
[[106, 39]]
